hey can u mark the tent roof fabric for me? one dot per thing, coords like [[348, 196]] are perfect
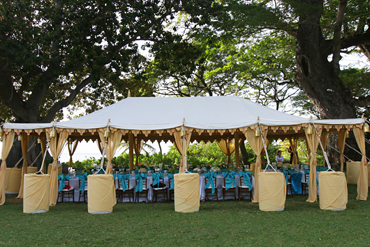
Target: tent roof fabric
[[156, 113]]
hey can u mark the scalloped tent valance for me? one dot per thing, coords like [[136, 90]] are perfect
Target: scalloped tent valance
[[208, 118]]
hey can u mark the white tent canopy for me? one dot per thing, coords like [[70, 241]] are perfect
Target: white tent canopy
[[182, 120], [155, 113]]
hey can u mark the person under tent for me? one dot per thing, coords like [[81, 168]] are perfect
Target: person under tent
[[279, 158]]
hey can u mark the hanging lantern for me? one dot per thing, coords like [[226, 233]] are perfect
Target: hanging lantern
[[309, 129], [257, 132], [53, 133], [347, 134], [1, 132], [366, 128], [106, 133], [19, 137], [38, 140], [183, 131]]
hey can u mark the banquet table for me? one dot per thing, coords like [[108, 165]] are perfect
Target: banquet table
[[317, 177], [74, 182], [132, 185], [219, 183]]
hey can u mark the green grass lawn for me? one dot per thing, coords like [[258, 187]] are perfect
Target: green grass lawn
[[226, 223]]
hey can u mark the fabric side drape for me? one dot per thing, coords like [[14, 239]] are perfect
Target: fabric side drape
[[227, 147], [24, 146], [308, 150], [341, 144], [324, 140], [114, 140], [312, 143], [362, 182], [293, 144], [7, 146], [180, 147], [71, 150], [43, 150], [256, 144], [56, 145], [100, 143]]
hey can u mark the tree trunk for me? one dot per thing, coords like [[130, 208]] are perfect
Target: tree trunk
[[315, 74], [317, 77], [244, 153]]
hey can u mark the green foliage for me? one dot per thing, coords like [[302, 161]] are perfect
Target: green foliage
[[206, 153], [85, 164], [54, 53]]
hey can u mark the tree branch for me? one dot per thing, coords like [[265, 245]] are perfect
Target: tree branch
[[337, 34], [65, 102]]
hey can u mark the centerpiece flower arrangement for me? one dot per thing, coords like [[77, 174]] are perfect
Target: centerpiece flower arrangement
[[215, 169], [142, 170], [198, 170]]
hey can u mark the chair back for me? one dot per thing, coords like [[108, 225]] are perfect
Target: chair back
[[224, 183], [127, 184], [144, 183], [210, 185], [79, 184], [306, 177]]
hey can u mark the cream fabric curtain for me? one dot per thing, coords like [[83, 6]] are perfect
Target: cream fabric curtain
[[114, 140], [324, 140], [43, 149], [341, 144], [180, 147], [71, 150], [362, 182], [312, 143], [257, 146], [227, 147], [24, 146], [293, 144], [56, 146], [100, 144], [267, 143], [7, 146]]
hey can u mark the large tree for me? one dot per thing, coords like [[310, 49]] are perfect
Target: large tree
[[52, 51], [321, 29]]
